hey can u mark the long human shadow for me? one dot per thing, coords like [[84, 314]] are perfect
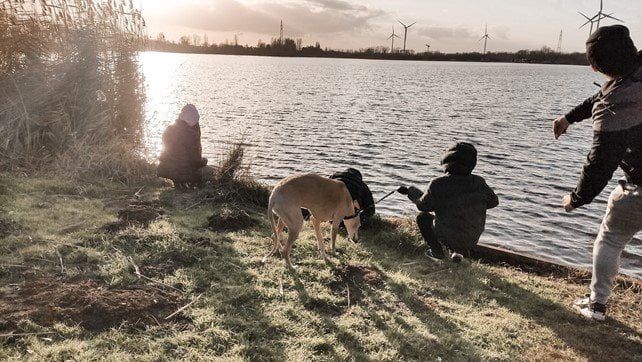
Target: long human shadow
[[408, 343], [239, 304], [448, 334], [326, 312], [592, 340], [606, 339]]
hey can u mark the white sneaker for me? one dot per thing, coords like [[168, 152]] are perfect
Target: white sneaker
[[456, 258], [590, 310]]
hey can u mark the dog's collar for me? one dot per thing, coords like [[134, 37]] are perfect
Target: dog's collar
[[357, 213]]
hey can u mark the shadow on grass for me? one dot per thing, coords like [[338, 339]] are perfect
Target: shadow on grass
[[595, 341], [406, 342], [231, 295], [611, 340]]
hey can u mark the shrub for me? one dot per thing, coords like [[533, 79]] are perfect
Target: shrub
[[71, 92]]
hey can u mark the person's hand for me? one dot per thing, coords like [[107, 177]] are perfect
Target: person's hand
[[566, 202], [403, 190], [560, 125]]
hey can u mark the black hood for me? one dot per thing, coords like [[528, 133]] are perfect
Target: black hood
[[354, 173], [460, 159]]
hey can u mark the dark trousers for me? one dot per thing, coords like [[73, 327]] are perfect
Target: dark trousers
[[426, 223]]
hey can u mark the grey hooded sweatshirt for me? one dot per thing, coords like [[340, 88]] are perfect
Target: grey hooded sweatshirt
[[459, 199], [617, 135]]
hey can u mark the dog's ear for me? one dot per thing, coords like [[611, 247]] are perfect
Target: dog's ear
[[356, 204]]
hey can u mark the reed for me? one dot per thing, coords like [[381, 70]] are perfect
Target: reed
[[71, 92]]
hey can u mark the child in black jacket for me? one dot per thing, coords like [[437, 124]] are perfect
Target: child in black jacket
[[459, 201]]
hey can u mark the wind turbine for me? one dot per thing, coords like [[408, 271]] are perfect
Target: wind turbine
[[405, 33], [485, 38], [597, 18], [393, 36], [427, 48]]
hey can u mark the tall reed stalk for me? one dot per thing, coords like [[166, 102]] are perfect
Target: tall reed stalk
[[71, 92]]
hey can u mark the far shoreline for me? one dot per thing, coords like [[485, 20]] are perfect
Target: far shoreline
[[363, 58], [544, 56]]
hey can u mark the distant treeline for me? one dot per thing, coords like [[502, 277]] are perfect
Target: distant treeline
[[292, 48]]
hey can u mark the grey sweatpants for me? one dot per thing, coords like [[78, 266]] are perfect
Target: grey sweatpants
[[622, 221]]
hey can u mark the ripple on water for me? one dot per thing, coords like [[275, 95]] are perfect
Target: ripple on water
[[393, 123]]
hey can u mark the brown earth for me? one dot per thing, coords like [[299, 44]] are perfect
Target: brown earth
[[230, 219], [8, 227], [89, 303], [356, 278], [137, 213]]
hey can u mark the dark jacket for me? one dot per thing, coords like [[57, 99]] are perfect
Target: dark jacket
[[181, 158], [617, 136], [459, 199], [358, 190]]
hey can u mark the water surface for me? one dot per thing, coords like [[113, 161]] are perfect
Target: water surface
[[393, 120]]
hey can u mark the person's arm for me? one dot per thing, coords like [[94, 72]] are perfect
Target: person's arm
[[424, 201], [582, 111], [577, 114], [193, 147], [606, 153], [492, 200]]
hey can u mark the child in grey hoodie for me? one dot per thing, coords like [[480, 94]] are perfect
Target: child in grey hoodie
[[453, 209]]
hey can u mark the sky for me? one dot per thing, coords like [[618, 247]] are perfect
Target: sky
[[447, 25]]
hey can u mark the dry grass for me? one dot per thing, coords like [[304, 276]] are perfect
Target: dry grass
[[233, 166], [71, 93], [400, 307]]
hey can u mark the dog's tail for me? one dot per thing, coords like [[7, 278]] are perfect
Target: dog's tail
[[275, 234]]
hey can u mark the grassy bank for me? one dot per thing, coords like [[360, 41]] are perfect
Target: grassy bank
[[96, 267]]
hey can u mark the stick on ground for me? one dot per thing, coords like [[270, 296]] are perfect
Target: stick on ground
[[62, 265], [348, 288], [184, 307]]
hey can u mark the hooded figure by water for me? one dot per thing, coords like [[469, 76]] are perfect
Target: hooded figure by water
[[456, 202]]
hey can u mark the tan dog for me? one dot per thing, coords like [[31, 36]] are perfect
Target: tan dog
[[326, 199]]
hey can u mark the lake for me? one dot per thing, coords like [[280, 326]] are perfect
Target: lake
[[392, 120]]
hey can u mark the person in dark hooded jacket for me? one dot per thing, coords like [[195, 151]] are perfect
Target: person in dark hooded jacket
[[180, 159], [453, 209], [358, 189]]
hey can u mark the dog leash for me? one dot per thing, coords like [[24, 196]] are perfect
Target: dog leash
[[359, 212]]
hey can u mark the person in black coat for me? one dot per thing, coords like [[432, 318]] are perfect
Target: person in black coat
[[453, 209], [181, 160], [358, 189]]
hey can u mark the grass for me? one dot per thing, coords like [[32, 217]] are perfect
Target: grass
[[402, 307]]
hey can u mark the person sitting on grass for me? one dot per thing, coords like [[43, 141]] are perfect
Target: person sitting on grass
[[180, 159], [617, 141], [459, 201], [359, 191]]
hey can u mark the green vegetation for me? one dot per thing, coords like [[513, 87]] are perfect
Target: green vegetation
[[377, 300]]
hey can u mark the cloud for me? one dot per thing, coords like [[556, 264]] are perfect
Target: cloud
[[338, 5], [442, 32], [500, 32], [310, 17]]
